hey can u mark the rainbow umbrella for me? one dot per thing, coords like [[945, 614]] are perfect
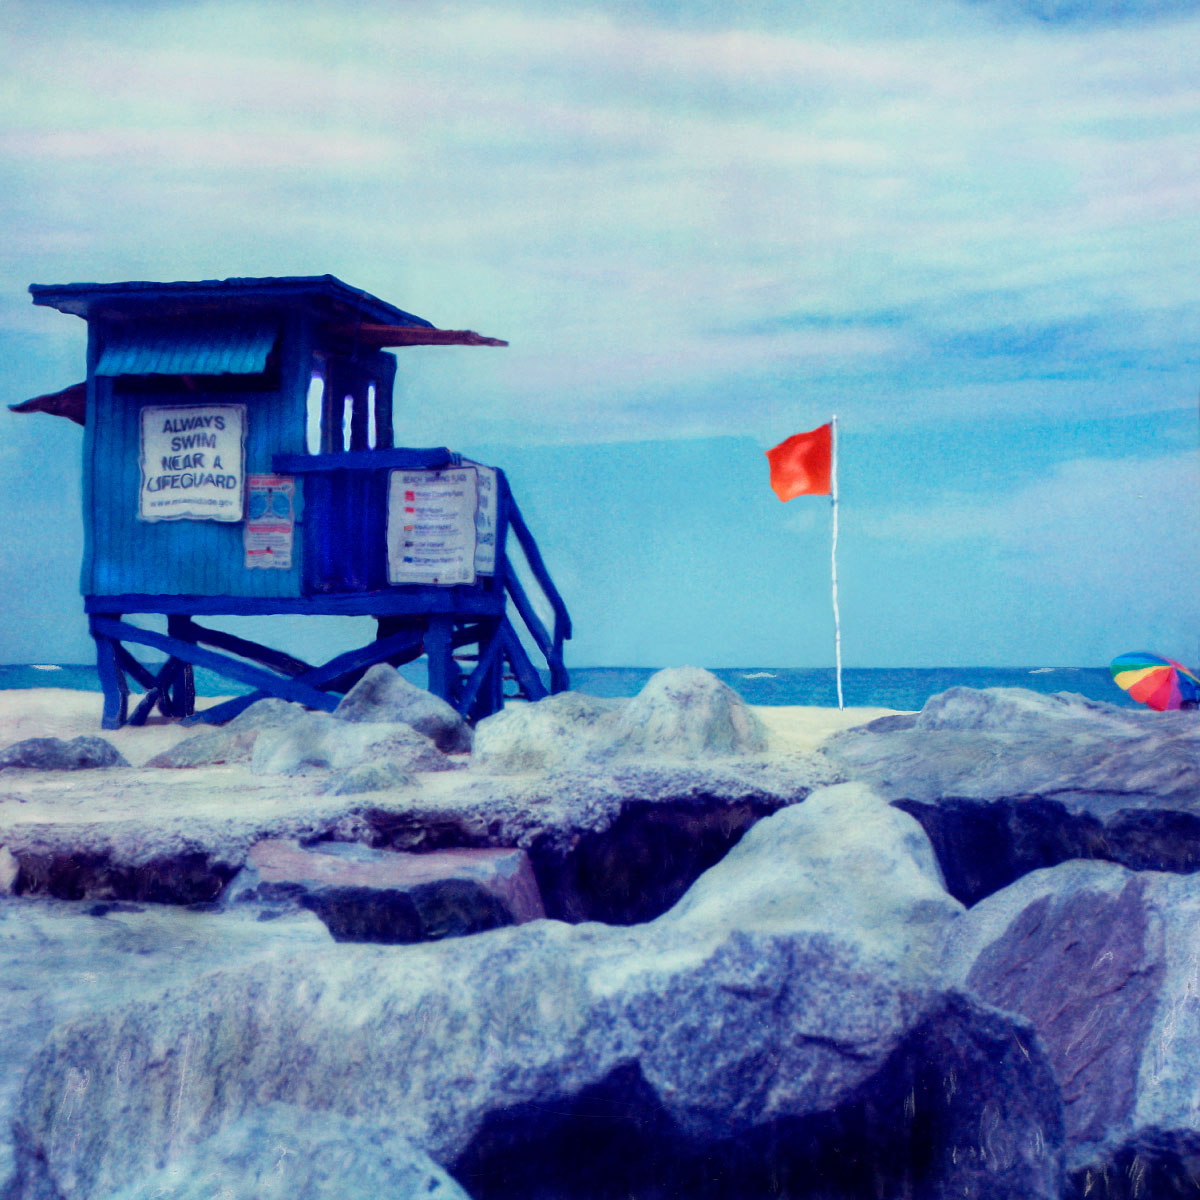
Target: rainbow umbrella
[[1160, 683]]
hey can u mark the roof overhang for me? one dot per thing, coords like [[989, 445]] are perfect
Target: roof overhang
[[70, 402]]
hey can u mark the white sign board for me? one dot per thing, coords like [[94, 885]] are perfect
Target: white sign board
[[192, 460], [485, 520], [270, 521], [431, 526]]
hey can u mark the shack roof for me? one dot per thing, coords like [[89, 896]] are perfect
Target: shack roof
[[324, 296]]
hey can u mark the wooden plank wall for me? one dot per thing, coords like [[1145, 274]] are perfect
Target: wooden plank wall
[[183, 557]]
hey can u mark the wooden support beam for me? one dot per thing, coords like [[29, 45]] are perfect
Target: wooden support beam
[[522, 667], [143, 677], [157, 694], [277, 660], [319, 677], [273, 685], [489, 658]]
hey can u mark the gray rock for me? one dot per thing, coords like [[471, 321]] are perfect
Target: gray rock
[[1020, 710], [550, 734], [281, 1152], [366, 895], [53, 754], [383, 695], [732, 1048], [318, 741], [844, 859], [1103, 962], [232, 742], [1007, 781], [686, 712], [9, 870], [619, 843], [60, 960], [368, 777]]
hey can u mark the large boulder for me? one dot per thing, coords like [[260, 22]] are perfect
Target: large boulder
[[682, 713], [281, 1152], [60, 960], [750, 1043], [383, 695], [1103, 962], [1006, 781], [53, 754], [317, 741], [686, 712], [366, 895], [547, 735], [844, 859]]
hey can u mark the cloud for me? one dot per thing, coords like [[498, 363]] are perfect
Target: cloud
[[1100, 523], [650, 203]]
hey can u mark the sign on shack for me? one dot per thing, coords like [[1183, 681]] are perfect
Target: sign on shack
[[238, 459]]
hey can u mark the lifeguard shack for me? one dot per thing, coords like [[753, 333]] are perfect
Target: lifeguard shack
[[239, 459]]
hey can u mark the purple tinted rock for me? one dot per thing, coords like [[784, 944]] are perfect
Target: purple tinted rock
[[1102, 961], [53, 754], [384, 695], [366, 895]]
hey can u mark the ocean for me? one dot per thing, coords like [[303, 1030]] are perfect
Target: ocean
[[884, 687]]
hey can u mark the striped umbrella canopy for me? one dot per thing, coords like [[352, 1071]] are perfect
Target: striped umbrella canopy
[[1160, 683]]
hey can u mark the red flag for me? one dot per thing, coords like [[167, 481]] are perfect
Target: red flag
[[801, 466]]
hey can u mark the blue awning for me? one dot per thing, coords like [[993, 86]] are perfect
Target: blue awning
[[195, 349]]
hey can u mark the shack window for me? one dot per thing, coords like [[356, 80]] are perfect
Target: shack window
[[313, 413], [348, 423], [372, 433]]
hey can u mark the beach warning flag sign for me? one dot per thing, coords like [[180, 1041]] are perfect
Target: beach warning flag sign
[[802, 465]]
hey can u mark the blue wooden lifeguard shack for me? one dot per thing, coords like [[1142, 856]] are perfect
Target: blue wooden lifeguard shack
[[238, 458]]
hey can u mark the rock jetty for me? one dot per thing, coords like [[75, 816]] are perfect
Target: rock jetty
[[939, 956]]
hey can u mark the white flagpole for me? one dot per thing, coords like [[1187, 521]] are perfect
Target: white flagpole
[[837, 621]]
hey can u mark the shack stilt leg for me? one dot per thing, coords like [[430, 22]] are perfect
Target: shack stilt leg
[[112, 678], [180, 700], [439, 646]]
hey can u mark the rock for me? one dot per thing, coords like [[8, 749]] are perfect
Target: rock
[[1020, 710], [366, 895], [61, 960], [686, 712], [723, 1050], [547, 735], [318, 741], [232, 742], [1103, 962], [9, 870], [384, 696], [1006, 781], [844, 859], [53, 754], [618, 843], [281, 1152], [368, 777]]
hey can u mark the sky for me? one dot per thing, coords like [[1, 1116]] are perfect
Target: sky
[[968, 228]]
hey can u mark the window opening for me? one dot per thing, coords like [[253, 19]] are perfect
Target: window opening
[[371, 433], [347, 420], [313, 412]]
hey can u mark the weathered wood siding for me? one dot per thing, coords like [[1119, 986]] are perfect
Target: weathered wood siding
[[184, 557]]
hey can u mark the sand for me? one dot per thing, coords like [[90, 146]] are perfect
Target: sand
[[65, 713]]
